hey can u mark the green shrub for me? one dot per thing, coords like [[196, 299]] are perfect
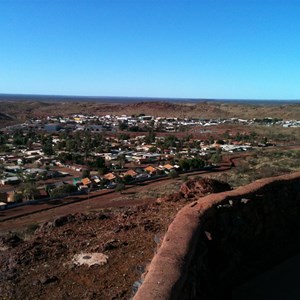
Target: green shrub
[[120, 187], [63, 190], [173, 174]]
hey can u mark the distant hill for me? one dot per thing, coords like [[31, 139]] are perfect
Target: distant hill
[[22, 110], [128, 100]]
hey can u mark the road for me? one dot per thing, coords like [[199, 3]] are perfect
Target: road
[[17, 218]]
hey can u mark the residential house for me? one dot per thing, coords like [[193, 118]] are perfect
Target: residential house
[[151, 170], [76, 181], [109, 176], [168, 167], [86, 181], [131, 173]]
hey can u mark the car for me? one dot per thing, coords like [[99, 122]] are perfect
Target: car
[[111, 185], [142, 176]]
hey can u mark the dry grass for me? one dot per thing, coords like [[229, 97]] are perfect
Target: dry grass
[[262, 165]]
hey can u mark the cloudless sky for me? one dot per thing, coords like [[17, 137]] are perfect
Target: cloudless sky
[[152, 48]]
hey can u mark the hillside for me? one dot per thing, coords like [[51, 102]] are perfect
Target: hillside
[[42, 260], [24, 109]]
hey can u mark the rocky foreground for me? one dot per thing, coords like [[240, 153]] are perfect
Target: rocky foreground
[[99, 255]]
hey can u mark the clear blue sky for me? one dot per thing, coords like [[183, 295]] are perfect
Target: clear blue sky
[[199, 49]]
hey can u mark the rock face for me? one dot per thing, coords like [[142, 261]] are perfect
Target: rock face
[[195, 188], [218, 243], [199, 188]]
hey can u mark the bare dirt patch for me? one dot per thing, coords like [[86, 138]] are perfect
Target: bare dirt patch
[[42, 265]]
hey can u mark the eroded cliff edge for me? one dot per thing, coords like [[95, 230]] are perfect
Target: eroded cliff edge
[[222, 240]]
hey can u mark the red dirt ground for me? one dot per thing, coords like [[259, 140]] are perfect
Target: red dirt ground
[[39, 266]]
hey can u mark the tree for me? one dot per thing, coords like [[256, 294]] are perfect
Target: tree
[[102, 171], [47, 146], [134, 128], [64, 156], [226, 134], [87, 145], [26, 178], [3, 138], [121, 160], [100, 162], [17, 197], [220, 142], [4, 148], [28, 190], [63, 190], [184, 164], [170, 141], [206, 159], [127, 179], [18, 138], [253, 136], [196, 163], [1, 167], [123, 136], [70, 145], [29, 143], [122, 125], [85, 173], [173, 174], [159, 126], [216, 158], [120, 187], [150, 138], [61, 145], [152, 149]]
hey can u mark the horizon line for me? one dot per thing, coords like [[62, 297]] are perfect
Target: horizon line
[[146, 97]]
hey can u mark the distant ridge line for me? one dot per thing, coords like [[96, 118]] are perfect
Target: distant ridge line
[[128, 99]]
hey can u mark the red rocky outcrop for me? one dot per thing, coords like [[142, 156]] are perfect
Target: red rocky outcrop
[[218, 243], [195, 188]]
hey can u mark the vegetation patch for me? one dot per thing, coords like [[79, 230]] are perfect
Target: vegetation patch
[[261, 165]]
